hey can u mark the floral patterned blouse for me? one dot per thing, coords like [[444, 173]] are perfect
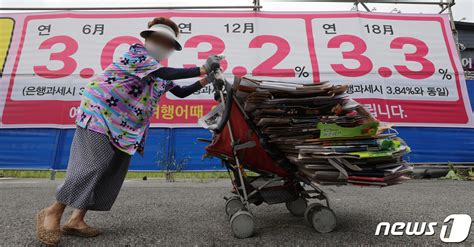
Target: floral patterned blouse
[[120, 101]]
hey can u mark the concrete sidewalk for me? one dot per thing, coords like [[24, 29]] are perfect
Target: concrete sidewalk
[[189, 213]]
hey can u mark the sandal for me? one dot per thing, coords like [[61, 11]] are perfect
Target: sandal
[[47, 237], [86, 232]]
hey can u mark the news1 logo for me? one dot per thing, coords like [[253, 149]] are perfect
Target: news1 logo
[[455, 228]]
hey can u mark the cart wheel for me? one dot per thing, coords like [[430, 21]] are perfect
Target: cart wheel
[[232, 205], [242, 224], [297, 207], [321, 218]]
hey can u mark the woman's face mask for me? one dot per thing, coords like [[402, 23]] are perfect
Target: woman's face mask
[[157, 51]]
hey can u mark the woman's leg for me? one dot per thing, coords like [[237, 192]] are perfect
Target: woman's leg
[[78, 227], [52, 219], [105, 192], [48, 222], [94, 178], [91, 156], [77, 219]]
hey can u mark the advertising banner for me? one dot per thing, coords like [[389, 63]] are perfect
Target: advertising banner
[[403, 67]]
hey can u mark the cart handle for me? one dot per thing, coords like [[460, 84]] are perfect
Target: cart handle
[[220, 83]]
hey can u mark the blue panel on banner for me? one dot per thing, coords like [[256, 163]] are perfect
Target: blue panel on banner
[[36, 148], [27, 148], [439, 145], [470, 90], [187, 150], [62, 154], [156, 150], [46, 148]]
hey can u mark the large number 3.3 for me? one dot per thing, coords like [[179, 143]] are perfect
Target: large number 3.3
[[366, 65]]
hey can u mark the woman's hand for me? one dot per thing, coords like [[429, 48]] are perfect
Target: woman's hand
[[212, 63], [204, 81], [203, 70]]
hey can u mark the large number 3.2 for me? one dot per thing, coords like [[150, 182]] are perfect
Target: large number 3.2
[[217, 48], [266, 68]]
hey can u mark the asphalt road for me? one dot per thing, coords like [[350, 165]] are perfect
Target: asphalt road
[[189, 213]]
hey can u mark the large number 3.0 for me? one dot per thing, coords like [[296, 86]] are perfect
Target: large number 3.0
[[64, 56], [70, 48]]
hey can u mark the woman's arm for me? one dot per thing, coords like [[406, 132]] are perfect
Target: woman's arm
[[185, 91], [169, 73]]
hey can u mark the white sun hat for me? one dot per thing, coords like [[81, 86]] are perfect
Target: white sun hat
[[164, 30]]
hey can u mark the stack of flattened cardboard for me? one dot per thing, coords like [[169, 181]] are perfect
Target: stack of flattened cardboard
[[329, 137]]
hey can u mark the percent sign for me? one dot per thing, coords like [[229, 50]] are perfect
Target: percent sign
[[445, 74], [409, 90], [301, 71]]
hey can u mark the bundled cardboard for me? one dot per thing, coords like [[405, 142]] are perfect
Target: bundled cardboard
[[329, 137]]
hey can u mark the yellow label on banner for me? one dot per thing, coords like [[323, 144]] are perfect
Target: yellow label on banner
[[6, 32]]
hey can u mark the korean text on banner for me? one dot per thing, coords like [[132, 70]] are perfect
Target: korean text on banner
[[403, 67]]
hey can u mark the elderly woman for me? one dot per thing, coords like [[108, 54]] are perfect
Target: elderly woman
[[111, 125]]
